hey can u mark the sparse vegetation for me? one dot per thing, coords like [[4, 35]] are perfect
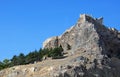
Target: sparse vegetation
[[32, 57]]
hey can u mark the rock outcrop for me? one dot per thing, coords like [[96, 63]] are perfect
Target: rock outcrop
[[88, 34], [92, 50]]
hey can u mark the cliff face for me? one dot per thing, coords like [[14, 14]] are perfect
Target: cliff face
[[88, 34], [93, 50]]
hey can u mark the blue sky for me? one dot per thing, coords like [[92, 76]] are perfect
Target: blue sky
[[25, 24]]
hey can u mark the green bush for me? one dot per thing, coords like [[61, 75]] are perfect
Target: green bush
[[56, 52], [32, 57]]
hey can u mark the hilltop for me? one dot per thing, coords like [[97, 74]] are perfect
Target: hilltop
[[90, 49]]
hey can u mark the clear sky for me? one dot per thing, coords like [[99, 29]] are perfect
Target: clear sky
[[25, 24]]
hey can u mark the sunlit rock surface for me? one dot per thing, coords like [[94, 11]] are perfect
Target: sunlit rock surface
[[92, 50]]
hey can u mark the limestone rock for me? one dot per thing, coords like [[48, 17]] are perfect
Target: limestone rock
[[89, 34], [97, 43], [93, 51]]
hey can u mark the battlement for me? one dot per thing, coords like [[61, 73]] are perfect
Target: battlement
[[85, 17]]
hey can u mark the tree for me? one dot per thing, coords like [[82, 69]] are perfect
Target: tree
[[6, 63], [40, 56], [21, 59], [32, 57], [14, 61], [1, 66], [56, 52]]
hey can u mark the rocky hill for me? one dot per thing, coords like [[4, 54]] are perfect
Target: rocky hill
[[90, 50]]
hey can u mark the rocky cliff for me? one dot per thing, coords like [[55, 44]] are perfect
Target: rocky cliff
[[91, 50], [88, 34]]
